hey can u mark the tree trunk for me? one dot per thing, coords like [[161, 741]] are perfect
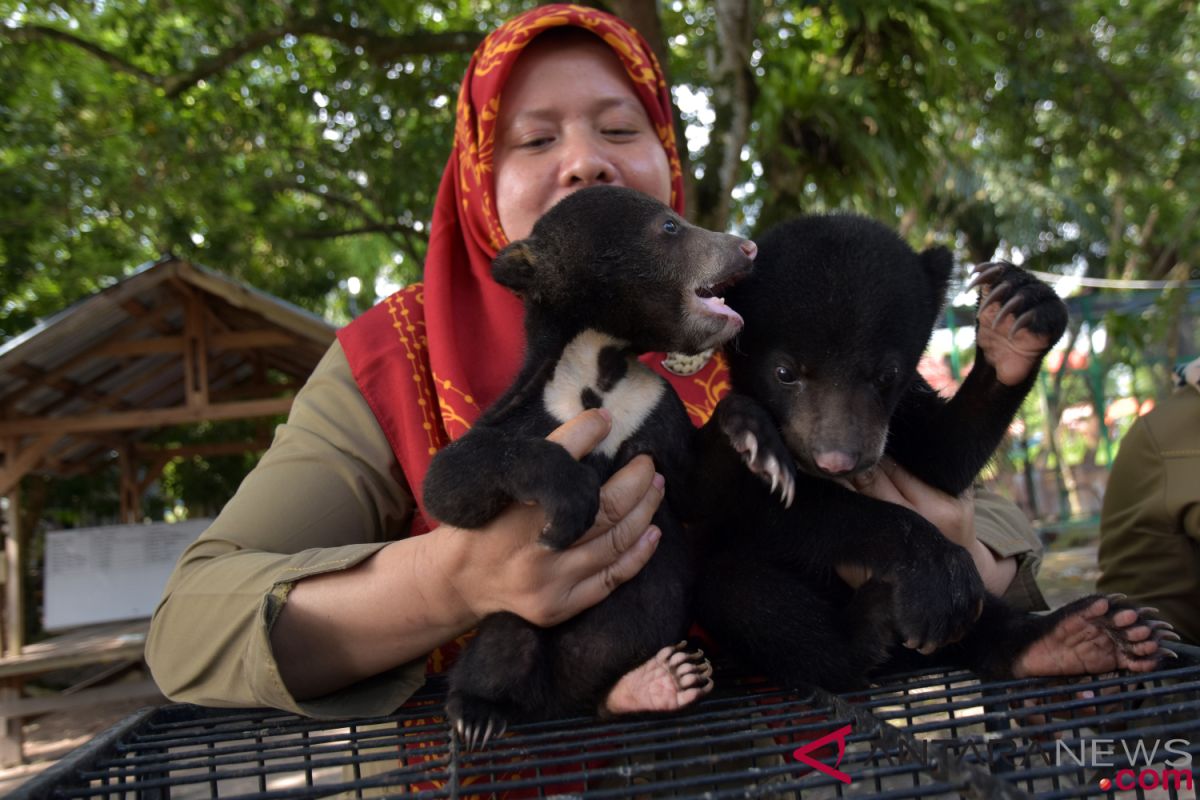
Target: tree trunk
[[734, 93], [643, 15]]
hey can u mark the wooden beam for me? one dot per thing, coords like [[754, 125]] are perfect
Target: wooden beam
[[167, 394], [117, 396], [140, 347], [154, 469], [241, 297], [17, 707], [151, 418], [231, 340], [147, 316], [250, 340], [17, 464], [70, 390]]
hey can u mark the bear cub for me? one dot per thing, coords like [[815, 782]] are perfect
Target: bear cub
[[838, 313], [607, 274]]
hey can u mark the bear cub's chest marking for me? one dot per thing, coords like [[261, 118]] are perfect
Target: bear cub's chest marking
[[596, 372]]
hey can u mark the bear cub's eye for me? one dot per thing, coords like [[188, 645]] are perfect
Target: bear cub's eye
[[785, 375], [887, 376], [671, 226]]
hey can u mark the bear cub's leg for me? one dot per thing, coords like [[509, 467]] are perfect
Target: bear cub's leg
[[504, 468]]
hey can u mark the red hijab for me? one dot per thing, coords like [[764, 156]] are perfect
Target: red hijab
[[432, 356]]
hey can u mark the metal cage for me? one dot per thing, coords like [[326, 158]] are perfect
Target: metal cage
[[939, 734]]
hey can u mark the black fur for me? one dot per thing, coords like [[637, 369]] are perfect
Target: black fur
[[625, 268], [837, 315]]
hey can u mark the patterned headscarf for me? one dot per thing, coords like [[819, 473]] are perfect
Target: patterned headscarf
[[431, 357]]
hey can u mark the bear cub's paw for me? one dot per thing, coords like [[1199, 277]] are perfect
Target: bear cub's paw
[[753, 434], [938, 594], [1018, 321], [568, 492], [1096, 634], [571, 501], [673, 678]]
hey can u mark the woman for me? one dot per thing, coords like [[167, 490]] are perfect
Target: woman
[[306, 594]]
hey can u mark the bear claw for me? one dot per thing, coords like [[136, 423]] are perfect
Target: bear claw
[[474, 720], [768, 468]]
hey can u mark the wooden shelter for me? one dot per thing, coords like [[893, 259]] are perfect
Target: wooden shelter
[[173, 343]]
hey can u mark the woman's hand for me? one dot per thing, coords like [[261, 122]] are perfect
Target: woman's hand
[[505, 567], [953, 516]]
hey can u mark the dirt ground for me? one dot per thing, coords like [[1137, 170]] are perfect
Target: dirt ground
[[1065, 575]]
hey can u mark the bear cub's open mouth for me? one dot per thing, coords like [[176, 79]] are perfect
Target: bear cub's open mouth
[[711, 297]]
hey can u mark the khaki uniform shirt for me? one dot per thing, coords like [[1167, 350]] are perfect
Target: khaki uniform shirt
[[1150, 518], [327, 495]]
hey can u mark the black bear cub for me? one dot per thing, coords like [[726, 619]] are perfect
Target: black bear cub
[[838, 313], [606, 274]]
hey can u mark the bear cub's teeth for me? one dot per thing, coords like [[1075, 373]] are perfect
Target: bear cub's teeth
[[706, 293]]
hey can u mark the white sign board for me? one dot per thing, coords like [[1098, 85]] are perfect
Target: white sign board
[[112, 573]]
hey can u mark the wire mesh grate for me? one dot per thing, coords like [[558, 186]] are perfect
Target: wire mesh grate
[[939, 734]]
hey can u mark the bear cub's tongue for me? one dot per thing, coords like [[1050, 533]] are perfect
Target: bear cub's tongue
[[716, 306]]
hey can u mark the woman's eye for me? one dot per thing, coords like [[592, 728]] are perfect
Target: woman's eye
[[785, 375], [671, 226], [535, 142]]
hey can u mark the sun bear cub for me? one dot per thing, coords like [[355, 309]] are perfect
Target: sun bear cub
[[838, 313], [606, 275]]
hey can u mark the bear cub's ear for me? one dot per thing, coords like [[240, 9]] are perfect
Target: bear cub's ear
[[938, 263], [515, 267]]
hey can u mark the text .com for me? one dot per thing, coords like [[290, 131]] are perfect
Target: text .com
[[1135, 762]]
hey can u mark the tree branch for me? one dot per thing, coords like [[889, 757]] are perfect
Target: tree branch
[[381, 47], [375, 227], [32, 33]]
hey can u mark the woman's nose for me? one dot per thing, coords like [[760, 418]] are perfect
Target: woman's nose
[[585, 162]]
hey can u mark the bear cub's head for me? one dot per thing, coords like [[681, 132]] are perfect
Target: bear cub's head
[[620, 262], [838, 312]]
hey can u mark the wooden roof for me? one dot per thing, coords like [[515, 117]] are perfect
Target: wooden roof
[[172, 343]]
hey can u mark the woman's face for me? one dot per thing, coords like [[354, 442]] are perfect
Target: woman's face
[[569, 118]]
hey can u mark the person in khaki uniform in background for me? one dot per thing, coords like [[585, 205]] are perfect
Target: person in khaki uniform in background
[[311, 591], [1150, 518]]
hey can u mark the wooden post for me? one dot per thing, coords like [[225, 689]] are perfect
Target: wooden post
[[195, 354], [14, 586], [131, 498], [12, 733]]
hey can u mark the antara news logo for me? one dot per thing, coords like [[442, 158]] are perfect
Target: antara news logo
[[1138, 764], [1135, 764]]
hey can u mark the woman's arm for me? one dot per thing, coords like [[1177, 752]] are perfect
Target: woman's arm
[[997, 540]]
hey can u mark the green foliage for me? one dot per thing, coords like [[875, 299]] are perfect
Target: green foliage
[[304, 161], [860, 101], [295, 146]]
